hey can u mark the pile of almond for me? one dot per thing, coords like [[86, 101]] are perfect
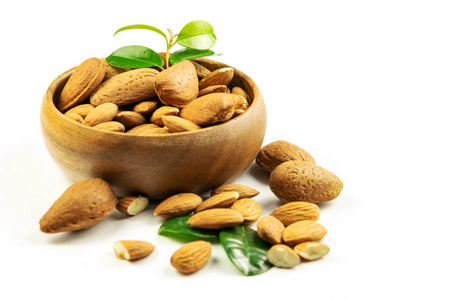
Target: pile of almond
[[184, 97], [292, 228]]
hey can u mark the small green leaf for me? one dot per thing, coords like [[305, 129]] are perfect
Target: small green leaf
[[246, 250], [178, 228], [135, 57], [141, 26], [188, 53], [197, 35]]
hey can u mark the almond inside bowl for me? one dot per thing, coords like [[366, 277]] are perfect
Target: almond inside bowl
[[161, 165]]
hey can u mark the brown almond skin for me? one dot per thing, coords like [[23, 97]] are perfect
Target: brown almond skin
[[126, 88], [82, 205], [177, 85], [221, 200], [296, 211], [270, 229], [86, 77], [222, 76], [243, 190], [303, 231], [191, 257], [103, 113], [249, 208], [130, 119], [272, 155], [210, 109], [178, 124], [216, 218], [178, 205], [303, 181]]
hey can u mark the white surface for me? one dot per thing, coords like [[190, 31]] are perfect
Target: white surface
[[361, 85]]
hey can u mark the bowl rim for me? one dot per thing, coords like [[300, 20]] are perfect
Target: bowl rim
[[56, 83]]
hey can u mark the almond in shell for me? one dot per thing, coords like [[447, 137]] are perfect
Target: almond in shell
[[273, 154], [177, 85], [85, 78], [303, 181], [126, 88], [84, 204]]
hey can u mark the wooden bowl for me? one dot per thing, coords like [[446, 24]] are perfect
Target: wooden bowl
[[156, 166]]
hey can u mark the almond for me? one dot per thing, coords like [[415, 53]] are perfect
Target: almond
[[272, 155], [216, 218], [178, 84], [156, 117], [178, 124], [282, 256], [86, 77], [82, 109], [201, 70], [130, 119], [303, 231], [222, 76], [145, 107], [103, 113], [156, 131], [112, 126], [132, 205], [126, 88], [243, 190], [142, 129], [74, 117], [213, 89], [210, 109], [311, 250], [303, 181], [249, 208], [221, 200], [240, 91], [296, 211], [270, 229], [110, 70], [191, 257], [132, 249], [178, 205], [84, 204]]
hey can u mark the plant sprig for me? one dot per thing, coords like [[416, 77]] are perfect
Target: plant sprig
[[197, 37]]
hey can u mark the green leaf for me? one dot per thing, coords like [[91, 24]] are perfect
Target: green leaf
[[246, 250], [135, 57], [141, 26], [178, 228], [197, 35], [188, 53]]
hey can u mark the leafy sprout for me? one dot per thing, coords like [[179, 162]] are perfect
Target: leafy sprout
[[197, 37]]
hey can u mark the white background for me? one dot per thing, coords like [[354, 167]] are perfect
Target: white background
[[361, 85]]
